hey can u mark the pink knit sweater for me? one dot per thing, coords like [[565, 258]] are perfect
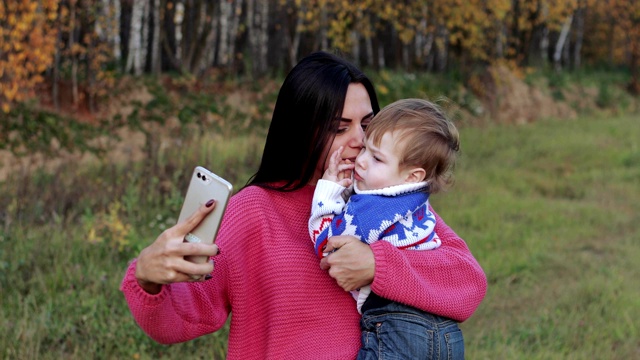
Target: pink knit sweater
[[284, 306]]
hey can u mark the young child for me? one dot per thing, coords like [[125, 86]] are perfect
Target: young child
[[409, 152]]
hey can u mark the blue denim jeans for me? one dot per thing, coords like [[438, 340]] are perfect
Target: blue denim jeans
[[397, 331]]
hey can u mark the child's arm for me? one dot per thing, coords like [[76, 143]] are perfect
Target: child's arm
[[327, 202]]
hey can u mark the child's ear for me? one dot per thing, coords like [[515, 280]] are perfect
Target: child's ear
[[415, 175]]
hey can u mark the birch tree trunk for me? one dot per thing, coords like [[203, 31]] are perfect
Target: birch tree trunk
[[90, 53], [419, 41], [293, 36], [108, 29], [178, 18], [233, 31], [381, 61], [225, 13], [252, 33], [144, 40], [544, 45], [196, 36], [263, 37], [155, 45], [117, 53], [324, 40], [564, 33], [134, 57], [257, 22], [210, 46]]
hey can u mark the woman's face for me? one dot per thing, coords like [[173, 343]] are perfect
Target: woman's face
[[356, 115]]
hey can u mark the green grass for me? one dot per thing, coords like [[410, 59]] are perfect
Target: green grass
[[69, 236], [551, 211]]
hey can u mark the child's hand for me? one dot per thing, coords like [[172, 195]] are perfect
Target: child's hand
[[339, 171]]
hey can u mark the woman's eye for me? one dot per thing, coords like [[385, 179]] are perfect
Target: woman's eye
[[341, 130]]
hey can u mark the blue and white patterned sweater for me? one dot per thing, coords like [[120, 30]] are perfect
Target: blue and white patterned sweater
[[398, 214]]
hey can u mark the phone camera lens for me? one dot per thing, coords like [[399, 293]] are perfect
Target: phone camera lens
[[199, 175], [204, 178]]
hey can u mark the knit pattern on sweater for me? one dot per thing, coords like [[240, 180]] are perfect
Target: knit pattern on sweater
[[399, 215]]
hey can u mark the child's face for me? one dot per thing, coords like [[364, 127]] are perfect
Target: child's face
[[379, 167]]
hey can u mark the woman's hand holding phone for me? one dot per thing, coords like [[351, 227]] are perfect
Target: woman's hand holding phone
[[181, 253], [163, 262]]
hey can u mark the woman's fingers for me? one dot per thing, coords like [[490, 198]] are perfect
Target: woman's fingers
[[163, 261], [192, 221], [350, 263]]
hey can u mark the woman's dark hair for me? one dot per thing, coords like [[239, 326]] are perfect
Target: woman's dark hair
[[306, 118]]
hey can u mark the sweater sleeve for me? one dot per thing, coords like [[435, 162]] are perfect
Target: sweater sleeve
[[181, 311], [327, 202], [447, 281]]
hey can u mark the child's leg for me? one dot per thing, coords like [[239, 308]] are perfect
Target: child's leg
[[397, 331]]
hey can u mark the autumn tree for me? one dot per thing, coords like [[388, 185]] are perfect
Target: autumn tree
[[28, 32]]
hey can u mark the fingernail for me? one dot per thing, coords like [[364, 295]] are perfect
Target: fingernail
[[210, 203], [208, 277]]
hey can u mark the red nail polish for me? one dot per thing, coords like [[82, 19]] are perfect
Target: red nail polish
[[210, 203]]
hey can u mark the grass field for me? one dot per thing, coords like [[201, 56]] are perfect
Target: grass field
[[550, 209]]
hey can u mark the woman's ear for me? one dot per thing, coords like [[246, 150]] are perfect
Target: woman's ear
[[415, 175]]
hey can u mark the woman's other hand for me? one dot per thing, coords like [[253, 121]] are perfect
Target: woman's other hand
[[163, 261], [352, 264]]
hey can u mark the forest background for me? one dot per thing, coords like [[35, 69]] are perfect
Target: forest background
[[105, 106]]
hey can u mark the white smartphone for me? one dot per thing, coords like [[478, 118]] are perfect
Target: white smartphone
[[204, 186]]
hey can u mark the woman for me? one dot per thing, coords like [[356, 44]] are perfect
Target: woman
[[285, 305]]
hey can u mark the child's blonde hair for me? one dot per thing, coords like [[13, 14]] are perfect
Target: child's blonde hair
[[427, 138]]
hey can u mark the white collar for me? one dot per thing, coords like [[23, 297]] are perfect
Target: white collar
[[392, 190]]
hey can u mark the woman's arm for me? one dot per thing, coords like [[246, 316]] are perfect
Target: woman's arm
[[447, 281], [161, 293]]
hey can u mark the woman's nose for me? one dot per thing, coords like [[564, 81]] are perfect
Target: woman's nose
[[357, 137]]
